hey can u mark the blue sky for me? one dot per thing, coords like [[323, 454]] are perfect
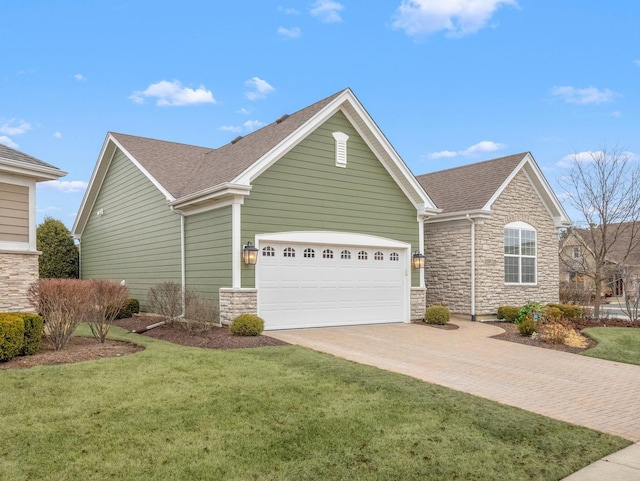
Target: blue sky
[[449, 82]]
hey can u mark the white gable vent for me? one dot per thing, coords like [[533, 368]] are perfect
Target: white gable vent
[[341, 148]]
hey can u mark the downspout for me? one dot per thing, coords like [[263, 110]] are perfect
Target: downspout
[[473, 267], [183, 270]]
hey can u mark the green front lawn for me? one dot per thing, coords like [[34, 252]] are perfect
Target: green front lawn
[[177, 413], [620, 344]]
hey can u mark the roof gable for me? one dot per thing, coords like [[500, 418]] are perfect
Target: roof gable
[[472, 189], [190, 174], [16, 162]]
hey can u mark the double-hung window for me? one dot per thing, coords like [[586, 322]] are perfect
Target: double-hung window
[[519, 253]]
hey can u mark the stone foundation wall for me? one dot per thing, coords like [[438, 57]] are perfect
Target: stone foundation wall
[[418, 302], [234, 302], [18, 270]]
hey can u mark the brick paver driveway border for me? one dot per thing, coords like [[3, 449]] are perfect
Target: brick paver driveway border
[[598, 394]]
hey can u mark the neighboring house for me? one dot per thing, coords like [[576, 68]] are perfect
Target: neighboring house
[[333, 210], [496, 240], [621, 270], [18, 255]]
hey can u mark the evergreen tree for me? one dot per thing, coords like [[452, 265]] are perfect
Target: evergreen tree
[[59, 257]]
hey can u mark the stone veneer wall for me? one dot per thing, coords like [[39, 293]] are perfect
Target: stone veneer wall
[[448, 265], [418, 302], [18, 270], [234, 302], [518, 202]]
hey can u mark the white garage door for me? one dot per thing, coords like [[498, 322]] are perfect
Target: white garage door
[[360, 280]]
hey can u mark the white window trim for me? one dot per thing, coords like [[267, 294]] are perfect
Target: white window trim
[[520, 226]]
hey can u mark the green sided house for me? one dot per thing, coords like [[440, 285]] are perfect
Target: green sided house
[[332, 209], [19, 174]]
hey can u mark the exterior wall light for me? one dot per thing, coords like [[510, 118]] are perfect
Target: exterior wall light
[[250, 254], [417, 260]]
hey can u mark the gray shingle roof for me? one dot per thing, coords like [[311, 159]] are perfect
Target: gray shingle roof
[[185, 169], [11, 154], [468, 187]]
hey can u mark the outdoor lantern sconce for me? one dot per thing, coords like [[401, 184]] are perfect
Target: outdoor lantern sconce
[[250, 254], [417, 260]]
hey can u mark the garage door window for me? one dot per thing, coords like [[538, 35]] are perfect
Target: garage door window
[[309, 254], [345, 255], [394, 256], [268, 252], [327, 254], [362, 256], [378, 256], [289, 252]]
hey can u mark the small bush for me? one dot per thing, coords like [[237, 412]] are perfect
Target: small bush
[[200, 309], [437, 315], [528, 326], [508, 313], [165, 299], [552, 314], [574, 339], [530, 308], [247, 325], [106, 300], [11, 335], [33, 329], [569, 311], [132, 307], [554, 332]]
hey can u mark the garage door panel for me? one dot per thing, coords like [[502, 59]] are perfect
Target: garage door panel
[[320, 291]]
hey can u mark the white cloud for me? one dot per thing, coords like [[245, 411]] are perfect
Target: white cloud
[[457, 17], [294, 32], [80, 78], [10, 127], [49, 208], [289, 11], [57, 135], [8, 142], [260, 89], [590, 156], [328, 11], [173, 94], [637, 62], [66, 186], [443, 154], [616, 114], [243, 111], [230, 128], [480, 148], [585, 96]]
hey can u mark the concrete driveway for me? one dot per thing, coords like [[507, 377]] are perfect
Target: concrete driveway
[[598, 394]]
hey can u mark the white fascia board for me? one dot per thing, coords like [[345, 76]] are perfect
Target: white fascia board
[[462, 215], [542, 188], [97, 178], [39, 173], [331, 238], [213, 198], [400, 172]]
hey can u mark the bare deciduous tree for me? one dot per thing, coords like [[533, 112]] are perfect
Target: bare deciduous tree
[[604, 187]]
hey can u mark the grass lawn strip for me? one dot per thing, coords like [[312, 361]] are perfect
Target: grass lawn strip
[[621, 344], [172, 412]]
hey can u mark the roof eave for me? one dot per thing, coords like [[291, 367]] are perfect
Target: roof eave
[[39, 173], [461, 215]]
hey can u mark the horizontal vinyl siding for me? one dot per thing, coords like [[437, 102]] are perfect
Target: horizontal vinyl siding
[[306, 191], [137, 238], [14, 213], [208, 252]]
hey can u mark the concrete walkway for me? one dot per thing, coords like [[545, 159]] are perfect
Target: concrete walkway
[[598, 394]]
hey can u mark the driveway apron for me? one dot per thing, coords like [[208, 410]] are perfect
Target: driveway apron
[[598, 394]]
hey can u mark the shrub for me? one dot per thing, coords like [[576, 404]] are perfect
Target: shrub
[[165, 299], [437, 315], [247, 325], [528, 326], [63, 303], [554, 332], [33, 328], [530, 308], [59, 257], [574, 339], [11, 335], [131, 307], [106, 300], [573, 292], [552, 314], [508, 313], [569, 311]]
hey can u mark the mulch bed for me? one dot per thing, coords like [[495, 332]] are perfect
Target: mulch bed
[[512, 334], [446, 327]]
